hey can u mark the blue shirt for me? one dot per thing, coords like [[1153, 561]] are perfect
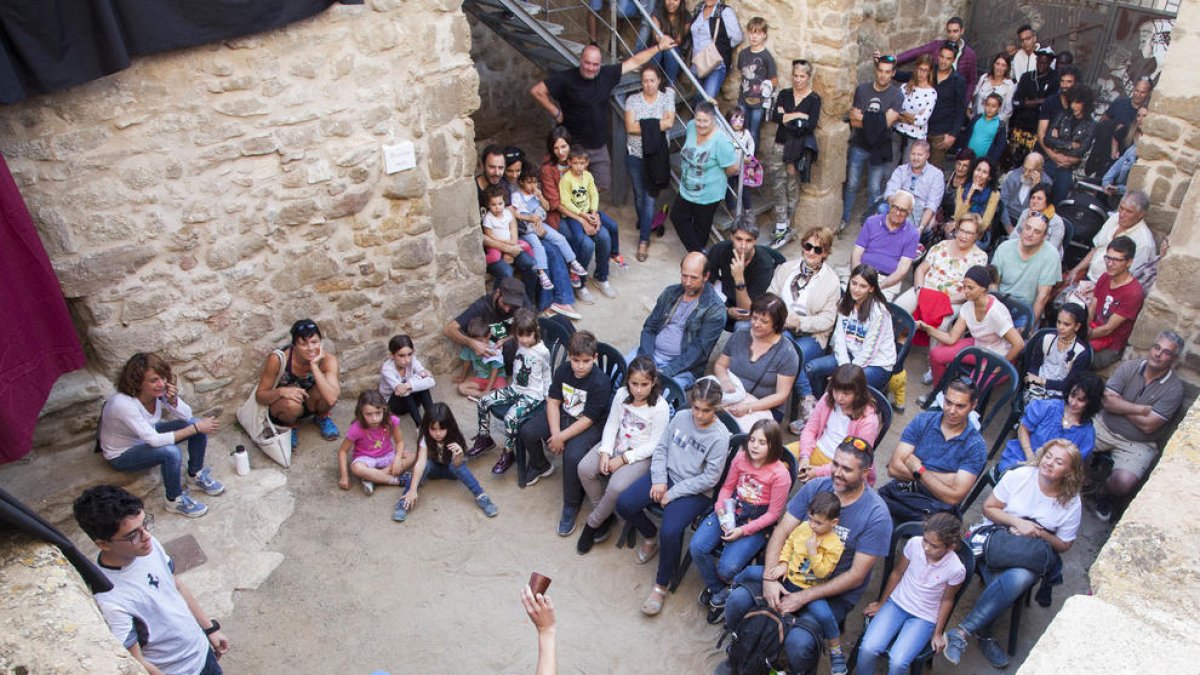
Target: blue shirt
[[927, 189], [982, 135], [702, 167], [863, 526], [965, 452], [883, 248], [1044, 420]]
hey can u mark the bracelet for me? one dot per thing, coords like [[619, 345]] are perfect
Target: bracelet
[[196, 428]]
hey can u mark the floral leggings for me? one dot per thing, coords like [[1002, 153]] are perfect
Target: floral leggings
[[521, 406]]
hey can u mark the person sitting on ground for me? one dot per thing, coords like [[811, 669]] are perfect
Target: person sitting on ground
[[1141, 397], [441, 455], [684, 325], [1059, 357], [1040, 501], [581, 203], [134, 436], [1017, 189], [569, 424], [1047, 419], [984, 317], [888, 242], [938, 458], [378, 445], [479, 374], [743, 268], [864, 527], [404, 382], [496, 309], [687, 463], [1039, 204], [980, 196], [299, 381], [149, 609], [1115, 304], [862, 335], [846, 409], [922, 180], [637, 419], [917, 599], [1029, 267], [1128, 221], [757, 367]]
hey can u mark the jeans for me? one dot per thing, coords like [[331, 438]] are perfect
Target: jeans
[[754, 121], [167, 457], [802, 646], [858, 161], [711, 83], [435, 470], [785, 185], [530, 453], [812, 351], [539, 251], [523, 263], [677, 515], [670, 66], [599, 244], [823, 613], [693, 222], [1062, 178], [912, 635], [643, 202], [719, 573], [211, 665], [818, 370], [560, 275], [1004, 587]]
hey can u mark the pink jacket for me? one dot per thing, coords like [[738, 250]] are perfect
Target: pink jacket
[[770, 483], [865, 427]]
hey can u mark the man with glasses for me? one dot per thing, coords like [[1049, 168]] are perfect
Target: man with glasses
[[874, 111], [1114, 304], [1128, 221], [1139, 399], [888, 242], [149, 609], [1029, 268], [1017, 185], [923, 181]]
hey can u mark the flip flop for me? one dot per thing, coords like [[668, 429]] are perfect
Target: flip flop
[[654, 604], [643, 558]]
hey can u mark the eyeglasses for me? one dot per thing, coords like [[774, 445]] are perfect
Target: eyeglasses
[[140, 535], [813, 248], [1113, 259], [858, 444], [887, 58], [899, 209]]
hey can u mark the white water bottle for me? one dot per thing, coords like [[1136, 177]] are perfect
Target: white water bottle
[[241, 460]]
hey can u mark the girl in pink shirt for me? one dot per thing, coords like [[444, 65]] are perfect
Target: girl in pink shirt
[[917, 600], [758, 482], [846, 409], [374, 435]]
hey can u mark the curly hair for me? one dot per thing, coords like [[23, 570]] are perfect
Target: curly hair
[[135, 369], [100, 510], [1072, 481]]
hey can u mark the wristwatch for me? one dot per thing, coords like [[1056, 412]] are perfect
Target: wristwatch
[[216, 626], [741, 286], [919, 472]]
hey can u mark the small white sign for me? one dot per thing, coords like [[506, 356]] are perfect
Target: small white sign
[[399, 157]]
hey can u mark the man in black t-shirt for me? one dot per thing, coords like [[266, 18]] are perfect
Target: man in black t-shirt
[[497, 311], [578, 100], [744, 268]]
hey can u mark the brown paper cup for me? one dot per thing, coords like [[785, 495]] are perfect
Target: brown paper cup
[[538, 583]]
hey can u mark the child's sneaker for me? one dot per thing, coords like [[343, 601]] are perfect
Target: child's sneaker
[[481, 444], [186, 506], [329, 430], [605, 288], [837, 661], [400, 513], [619, 260], [368, 487], [485, 503], [780, 237], [204, 480], [577, 271], [545, 280]]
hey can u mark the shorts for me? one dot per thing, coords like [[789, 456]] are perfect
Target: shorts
[[382, 462], [482, 382], [1136, 457], [600, 166]]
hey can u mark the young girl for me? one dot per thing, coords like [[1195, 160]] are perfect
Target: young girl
[[500, 229], [741, 136], [531, 208], [378, 446], [636, 422], [917, 599], [846, 409], [479, 374], [687, 463], [758, 484], [531, 380], [440, 455], [1053, 360], [404, 382]]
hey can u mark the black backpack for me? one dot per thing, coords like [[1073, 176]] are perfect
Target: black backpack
[[757, 641]]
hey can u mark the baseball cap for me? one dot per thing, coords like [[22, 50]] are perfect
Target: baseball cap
[[1048, 51], [512, 292]]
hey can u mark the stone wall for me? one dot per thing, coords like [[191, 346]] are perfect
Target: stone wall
[[506, 114], [894, 26], [200, 201]]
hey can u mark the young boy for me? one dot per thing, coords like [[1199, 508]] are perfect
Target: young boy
[[759, 76], [479, 374], [530, 208], [986, 134], [808, 558], [581, 200], [570, 424]]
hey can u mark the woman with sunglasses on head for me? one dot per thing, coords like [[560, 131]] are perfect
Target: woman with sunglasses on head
[[788, 161], [301, 380]]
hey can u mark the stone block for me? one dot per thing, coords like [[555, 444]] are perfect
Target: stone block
[[377, 36], [454, 207], [356, 155], [348, 203], [76, 389], [242, 107], [408, 184], [226, 252], [303, 271], [91, 272], [150, 303], [298, 212], [259, 145], [412, 252]]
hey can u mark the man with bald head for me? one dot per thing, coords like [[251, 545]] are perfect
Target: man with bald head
[[888, 242], [578, 100], [685, 324], [1014, 192]]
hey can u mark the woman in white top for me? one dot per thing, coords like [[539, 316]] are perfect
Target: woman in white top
[[983, 316], [996, 81], [653, 102], [715, 22], [862, 335], [134, 436], [919, 99]]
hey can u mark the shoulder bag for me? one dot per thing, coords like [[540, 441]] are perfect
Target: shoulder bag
[[274, 441]]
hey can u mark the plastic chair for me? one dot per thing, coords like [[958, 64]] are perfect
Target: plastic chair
[[676, 398], [885, 414], [995, 380], [1068, 242], [729, 421], [794, 405], [1022, 315], [612, 362], [555, 336], [904, 329]]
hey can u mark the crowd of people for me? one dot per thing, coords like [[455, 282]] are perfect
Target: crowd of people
[[964, 168]]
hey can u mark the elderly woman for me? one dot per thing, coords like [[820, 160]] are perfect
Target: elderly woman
[[707, 159], [1039, 500], [810, 290], [134, 436], [937, 292], [758, 367], [1039, 203], [301, 381]]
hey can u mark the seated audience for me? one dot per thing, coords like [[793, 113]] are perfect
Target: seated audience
[[922, 180], [1017, 189], [580, 202], [1069, 140], [888, 242], [1115, 304], [980, 196], [301, 380], [1128, 221], [1046, 419], [984, 317], [1029, 267], [758, 367], [743, 268], [555, 165], [862, 334], [1039, 204], [1058, 358], [846, 409], [937, 292]]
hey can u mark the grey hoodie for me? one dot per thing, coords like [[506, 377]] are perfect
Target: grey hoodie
[[690, 456]]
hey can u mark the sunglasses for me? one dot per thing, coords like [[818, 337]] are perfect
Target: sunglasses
[[887, 58], [858, 444], [812, 247], [799, 62]]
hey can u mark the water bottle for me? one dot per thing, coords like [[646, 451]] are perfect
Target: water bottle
[[241, 460], [729, 519]]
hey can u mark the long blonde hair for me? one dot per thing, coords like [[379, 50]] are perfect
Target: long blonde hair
[[1072, 481]]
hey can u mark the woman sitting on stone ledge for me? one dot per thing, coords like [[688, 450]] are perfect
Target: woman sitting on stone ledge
[[301, 380]]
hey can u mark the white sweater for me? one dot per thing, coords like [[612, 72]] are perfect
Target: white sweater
[[389, 376], [634, 429], [125, 422]]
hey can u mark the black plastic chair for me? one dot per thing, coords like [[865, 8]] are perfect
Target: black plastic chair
[[995, 380], [885, 414], [904, 330], [676, 398], [1068, 239], [1022, 315], [612, 362], [729, 421], [555, 336]]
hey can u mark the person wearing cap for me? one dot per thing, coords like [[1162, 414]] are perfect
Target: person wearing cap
[[301, 380], [888, 242], [496, 310], [1034, 88]]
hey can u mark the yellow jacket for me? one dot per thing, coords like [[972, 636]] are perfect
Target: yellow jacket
[[804, 571]]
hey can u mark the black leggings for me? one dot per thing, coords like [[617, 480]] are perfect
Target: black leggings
[[693, 222], [411, 405]]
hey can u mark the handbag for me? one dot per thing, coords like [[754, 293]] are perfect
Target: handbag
[[706, 60], [274, 441], [752, 172], [1004, 550]]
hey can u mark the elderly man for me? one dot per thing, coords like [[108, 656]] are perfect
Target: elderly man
[[888, 242], [1114, 304], [874, 111], [964, 59], [865, 530], [579, 100], [1028, 266], [743, 268], [1139, 399], [923, 181], [1014, 192], [1129, 221], [684, 325], [939, 456]]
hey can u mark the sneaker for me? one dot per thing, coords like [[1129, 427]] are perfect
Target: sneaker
[[329, 430], [796, 426], [404, 479], [619, 260], [587, 539], [956, 644], [368, 487], [780, 237], [1104, 510], [993, 652], [544, 279], [566, 524], [922, 400], [897, 408], [485, 504], [204, 480], [841, 226], [480, 444], [605, 288], [566, 311], [400, 513], [507, 459], [585, 296], [705, 597], [535, 474], [605, 529], [295, 439], [719, 598], [837, 662], [577, 271], [927, 378], [186, 506]]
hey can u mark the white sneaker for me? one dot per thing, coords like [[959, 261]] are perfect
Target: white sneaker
[[780, 237], [927, 378], [605, 288], [186, 506], [585, 296], [368, 487]]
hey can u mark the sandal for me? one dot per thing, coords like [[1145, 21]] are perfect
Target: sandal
[[644, 556], [654, 603], [643, 251]]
